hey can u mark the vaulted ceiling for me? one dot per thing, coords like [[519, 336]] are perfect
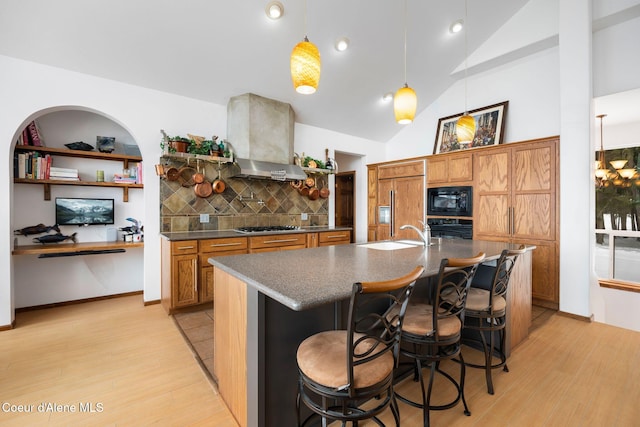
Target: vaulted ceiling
[[214, 49]]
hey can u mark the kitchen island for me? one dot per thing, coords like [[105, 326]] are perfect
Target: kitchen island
[[265, 304]]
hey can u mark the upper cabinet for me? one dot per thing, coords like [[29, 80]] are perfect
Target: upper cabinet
[[450, 169]]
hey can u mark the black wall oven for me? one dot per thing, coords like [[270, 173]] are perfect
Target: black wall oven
[[450, 201]]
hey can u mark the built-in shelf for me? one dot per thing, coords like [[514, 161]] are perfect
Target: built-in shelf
[[124, 158], [316, 170], [189, 156], [60, 248]]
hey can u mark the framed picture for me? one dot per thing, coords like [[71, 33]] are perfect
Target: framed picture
[[489, 129]]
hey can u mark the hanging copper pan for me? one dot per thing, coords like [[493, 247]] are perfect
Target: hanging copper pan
[[203, 189], [218, 185], [324, 191]]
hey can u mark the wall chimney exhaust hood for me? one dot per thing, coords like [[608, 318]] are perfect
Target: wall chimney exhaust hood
[[247, 168], [261, 133]]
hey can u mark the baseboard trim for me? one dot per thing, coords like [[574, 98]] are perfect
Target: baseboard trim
[[8, 327], [152, 302], [79, 301], [588, 319]]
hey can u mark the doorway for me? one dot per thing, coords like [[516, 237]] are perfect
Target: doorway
[[345, 207]]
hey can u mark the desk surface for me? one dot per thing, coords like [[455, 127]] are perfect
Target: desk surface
[[307, 278]]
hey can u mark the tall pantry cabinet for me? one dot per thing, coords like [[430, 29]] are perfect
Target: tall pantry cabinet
[[399, 189], [515, 200]]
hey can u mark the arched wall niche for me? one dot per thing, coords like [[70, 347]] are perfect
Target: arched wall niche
[[47, 281]]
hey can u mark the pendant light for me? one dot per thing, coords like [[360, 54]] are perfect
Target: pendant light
[[305, 64], [405, 100], [466, 125]]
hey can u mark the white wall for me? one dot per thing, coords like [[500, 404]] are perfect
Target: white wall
[[34, 90], [533, 87]]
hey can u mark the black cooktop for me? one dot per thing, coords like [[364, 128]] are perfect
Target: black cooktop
[[266, 228]]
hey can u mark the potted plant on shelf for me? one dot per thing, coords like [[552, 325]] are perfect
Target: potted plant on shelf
[[179, 144]]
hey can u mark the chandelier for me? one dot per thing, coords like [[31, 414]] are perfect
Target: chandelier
[[619, 176]]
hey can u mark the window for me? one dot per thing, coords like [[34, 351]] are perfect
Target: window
[[618, 219]]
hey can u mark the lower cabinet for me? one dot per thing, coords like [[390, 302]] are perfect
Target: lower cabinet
[[277, 242], [186, 275], [328, 238], [188, 279]]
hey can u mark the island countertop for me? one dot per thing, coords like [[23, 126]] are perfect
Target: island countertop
[[307, 278]]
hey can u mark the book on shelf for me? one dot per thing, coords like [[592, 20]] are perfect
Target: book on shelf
[[64, 178], [56, 175], [55, 169], [31, 135]]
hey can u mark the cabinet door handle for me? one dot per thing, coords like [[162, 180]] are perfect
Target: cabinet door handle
[[392, 214], [513, 220], [336, 236], [280, 241], [217, 245], [181, 248]]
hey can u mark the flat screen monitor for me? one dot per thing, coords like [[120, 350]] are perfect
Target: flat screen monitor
[[82, 211]]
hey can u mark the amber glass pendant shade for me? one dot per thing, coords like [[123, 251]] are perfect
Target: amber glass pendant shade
[[405, 103], [465, 129], [305, 67]]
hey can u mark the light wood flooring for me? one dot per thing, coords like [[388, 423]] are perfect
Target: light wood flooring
[[128, 361], [134, 361]]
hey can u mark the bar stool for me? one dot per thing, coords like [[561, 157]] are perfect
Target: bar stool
[[486, 312], [340, 370], [431, 333]]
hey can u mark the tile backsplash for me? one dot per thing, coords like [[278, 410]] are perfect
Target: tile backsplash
[[244, 202]]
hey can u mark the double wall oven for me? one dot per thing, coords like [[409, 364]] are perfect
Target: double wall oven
[[449, 210]]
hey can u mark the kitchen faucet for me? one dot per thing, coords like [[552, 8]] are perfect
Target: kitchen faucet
[[425, 234]]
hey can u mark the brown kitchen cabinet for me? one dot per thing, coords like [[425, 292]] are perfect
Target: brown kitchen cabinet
[[330, 238], [372, 203], [209, 248], [187, 276], [450, 169], [516, 200], [277, 242], [401, 188]]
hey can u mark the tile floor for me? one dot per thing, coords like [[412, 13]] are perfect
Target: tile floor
[[197, 328]]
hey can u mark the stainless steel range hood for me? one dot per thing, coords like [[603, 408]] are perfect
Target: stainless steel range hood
[[247, 168], [261, 133]]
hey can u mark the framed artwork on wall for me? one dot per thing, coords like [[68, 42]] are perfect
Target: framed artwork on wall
[[489, 129]]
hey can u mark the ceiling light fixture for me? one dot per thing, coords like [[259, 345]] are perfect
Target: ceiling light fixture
[[274, 10], [305, 64], [466, 125], [456, 26], [405, 100], [604, 176], [387, 97], [342, 44]]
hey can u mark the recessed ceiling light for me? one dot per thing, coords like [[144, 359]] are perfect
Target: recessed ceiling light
[[342, 44], [456, 26], [387, 97], [274, 10]]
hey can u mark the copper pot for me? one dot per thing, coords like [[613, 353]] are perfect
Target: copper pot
[[160, 171], [314, 193], [203, 189], [172, 174], [186, 176], [310, 182], [198, 177], [219, 185], [324, 191]]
